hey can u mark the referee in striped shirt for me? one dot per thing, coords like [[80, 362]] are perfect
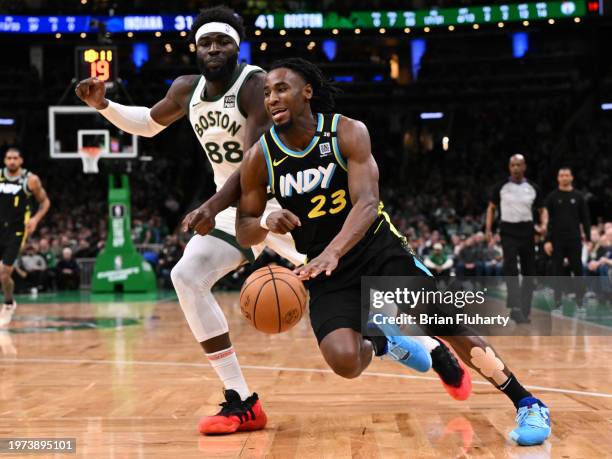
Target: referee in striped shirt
[[517, 198]]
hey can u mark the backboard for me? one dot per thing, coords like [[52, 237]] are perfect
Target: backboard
[[74, 128]]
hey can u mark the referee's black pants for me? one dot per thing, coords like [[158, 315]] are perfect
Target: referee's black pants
[[572, 250], [519, 296]]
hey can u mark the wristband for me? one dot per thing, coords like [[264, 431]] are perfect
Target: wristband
[[264, 217]]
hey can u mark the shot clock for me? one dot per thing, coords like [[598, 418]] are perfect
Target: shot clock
[[97, 61]]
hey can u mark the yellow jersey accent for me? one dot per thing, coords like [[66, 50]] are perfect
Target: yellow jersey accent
[[276, 163]]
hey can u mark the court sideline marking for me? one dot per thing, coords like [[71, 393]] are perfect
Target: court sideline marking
[[293, 369]]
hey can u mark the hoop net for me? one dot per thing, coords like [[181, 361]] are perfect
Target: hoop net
[[90, 157]]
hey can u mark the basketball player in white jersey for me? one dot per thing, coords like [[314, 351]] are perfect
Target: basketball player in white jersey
[[225, 108]]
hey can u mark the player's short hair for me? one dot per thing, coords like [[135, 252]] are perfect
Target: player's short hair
[[566, 168], [217, 14], [324, 91]]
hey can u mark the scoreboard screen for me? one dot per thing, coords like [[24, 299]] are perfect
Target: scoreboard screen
[[96, 61]]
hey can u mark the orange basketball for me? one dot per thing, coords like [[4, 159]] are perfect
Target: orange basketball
[[273, 299]]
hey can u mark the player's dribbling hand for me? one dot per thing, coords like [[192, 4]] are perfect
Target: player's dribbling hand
[[200, 220], [326, 262], [92, 91], [282, 221]]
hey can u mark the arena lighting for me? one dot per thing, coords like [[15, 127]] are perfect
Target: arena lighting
[[432, 115], [476, 27], [158, 34], [184, 34], [140, 54], [130, 34], [83, 35], [520, 44], [7, 121], [335, 31], [258, 32], [307, 32], [288, 44], [283, 32], [244, 53], [58, 35], [445, 142], [263, 46], [357, 31], [606, 106], [418, 46], [330, 48]]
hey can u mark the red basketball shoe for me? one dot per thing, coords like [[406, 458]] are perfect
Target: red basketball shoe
[[235, 415], [453, 373]]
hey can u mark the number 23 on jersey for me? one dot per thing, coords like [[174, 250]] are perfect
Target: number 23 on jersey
[[338, 202]]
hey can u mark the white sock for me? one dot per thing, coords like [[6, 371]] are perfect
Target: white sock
[[427, 342], [228, 369]]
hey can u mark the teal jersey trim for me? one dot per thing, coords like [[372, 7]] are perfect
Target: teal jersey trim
[[266, 151], [336, 148], [299, 154]]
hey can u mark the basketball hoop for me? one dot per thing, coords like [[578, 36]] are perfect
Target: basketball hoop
[[90, 157]]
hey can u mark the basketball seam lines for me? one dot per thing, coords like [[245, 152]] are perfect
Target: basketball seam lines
[[295, 293], [255, 305], [277, 301], [257, 278]]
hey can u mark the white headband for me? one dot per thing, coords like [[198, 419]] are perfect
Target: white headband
[[218, 27]]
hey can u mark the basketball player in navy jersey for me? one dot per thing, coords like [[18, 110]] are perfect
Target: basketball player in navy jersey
[[320, 168], [17, 185], [224, 105]]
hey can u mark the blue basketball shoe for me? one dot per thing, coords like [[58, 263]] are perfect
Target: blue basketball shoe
[[404, 349], [533, 419]]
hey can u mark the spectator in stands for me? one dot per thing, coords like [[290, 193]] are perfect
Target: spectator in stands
[[438, 261], [68, 272], [169, 256], [470, 261], [493, 257], [84, 249], [31, 269], [47, 253]]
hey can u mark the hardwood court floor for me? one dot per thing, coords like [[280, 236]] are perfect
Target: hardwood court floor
[[136, 386]]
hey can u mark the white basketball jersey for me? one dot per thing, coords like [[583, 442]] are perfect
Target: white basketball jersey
[[220, 126]]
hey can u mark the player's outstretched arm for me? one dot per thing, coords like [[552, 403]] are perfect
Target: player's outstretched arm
[[44, 203], [143, 121], [354, 143], [253, 198]]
